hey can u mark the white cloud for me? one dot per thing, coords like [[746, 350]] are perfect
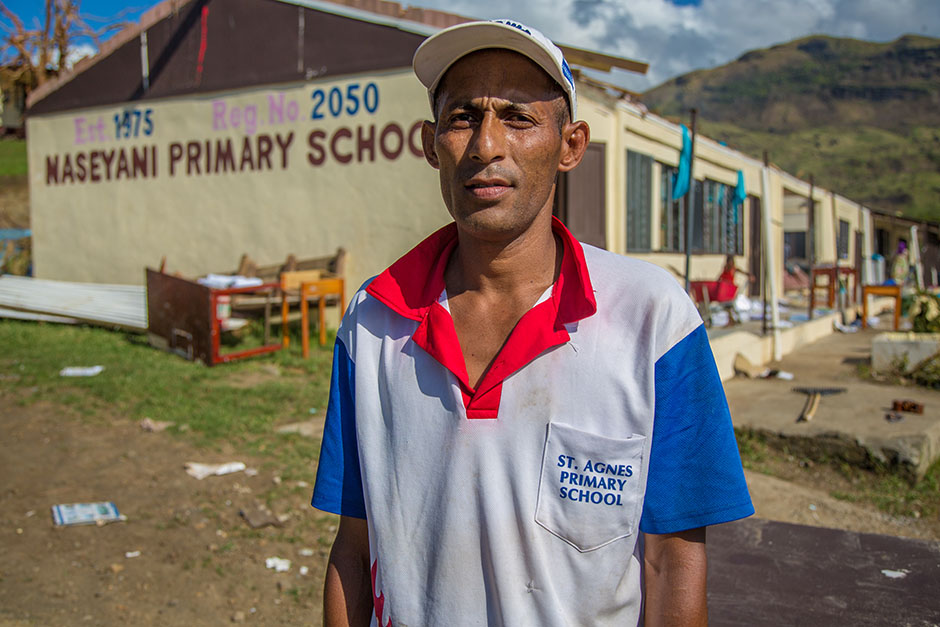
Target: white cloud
[[675, 40], [76, 54], [79, 52]]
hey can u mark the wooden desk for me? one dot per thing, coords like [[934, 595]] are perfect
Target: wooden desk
[[830, 271], [881, 290], [318, 290], [183, 318]]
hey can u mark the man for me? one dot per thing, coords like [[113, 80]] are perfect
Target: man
[[522, 430]]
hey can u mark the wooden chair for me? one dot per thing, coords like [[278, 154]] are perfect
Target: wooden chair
[[329, 266], [291, 283]]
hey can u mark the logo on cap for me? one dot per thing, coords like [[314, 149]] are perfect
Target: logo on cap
[[567, 72], [515, 25]]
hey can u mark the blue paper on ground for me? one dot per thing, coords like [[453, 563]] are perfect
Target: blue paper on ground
[[85, 513]]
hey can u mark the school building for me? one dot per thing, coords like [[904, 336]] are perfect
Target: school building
[[219, 127]]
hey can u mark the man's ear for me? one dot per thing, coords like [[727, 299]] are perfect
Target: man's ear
[[575, 138], [427, 142]]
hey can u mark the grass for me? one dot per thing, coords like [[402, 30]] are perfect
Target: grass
[[12, 157], [889, 492], [238, 403], [893, 494]]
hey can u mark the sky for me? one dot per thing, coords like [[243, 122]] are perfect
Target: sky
[[673, 36]]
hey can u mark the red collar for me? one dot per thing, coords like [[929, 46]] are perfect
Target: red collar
[[412, 286]]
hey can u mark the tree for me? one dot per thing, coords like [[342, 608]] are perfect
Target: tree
[[34, 55]]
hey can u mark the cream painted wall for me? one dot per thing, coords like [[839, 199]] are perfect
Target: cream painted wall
[[652, 136], [377, 205]]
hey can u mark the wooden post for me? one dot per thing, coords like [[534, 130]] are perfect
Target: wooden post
[[763, 266], [835, 263], [304, 322], [689, 196], [811, 245]]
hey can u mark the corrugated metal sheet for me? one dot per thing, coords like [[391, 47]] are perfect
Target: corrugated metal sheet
[[34, 317], [109, 305]]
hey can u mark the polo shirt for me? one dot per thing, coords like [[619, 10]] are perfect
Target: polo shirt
[[519, 502]]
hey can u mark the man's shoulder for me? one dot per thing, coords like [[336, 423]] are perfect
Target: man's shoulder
[[362, 310], [613, 272], [639, 300]]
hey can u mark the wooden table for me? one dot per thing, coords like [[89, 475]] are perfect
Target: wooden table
[[830, 271], [881, 290]]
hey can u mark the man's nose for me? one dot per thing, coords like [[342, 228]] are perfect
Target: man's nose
[[488, 143]]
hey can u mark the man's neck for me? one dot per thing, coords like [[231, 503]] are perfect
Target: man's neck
[[522, 264], [491, 285]]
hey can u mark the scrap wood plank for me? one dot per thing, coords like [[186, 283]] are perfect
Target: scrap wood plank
[[122, 306], [762, 572]]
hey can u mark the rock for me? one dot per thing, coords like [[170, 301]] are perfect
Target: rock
[[260, 516], [743, 365]]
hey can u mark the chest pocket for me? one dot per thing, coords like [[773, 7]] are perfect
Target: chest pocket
[[589, 486]]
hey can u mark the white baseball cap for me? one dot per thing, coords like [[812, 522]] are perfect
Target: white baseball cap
[[440, 51]]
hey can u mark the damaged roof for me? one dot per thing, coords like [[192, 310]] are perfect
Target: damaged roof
[[194, 46]]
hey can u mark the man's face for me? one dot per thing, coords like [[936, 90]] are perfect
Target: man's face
[[497, 142]]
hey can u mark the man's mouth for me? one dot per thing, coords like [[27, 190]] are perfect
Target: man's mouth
[[488, 188]]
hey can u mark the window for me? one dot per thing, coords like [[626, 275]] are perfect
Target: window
[[718, 219], [697, 218], [639, 200], [671, 222], [717, 224], [794, 245], [882, 246], [843, 239]]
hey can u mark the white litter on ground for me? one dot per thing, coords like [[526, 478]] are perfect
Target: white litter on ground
[[78, 371], [201, 471], [278, 564], [895, 574]]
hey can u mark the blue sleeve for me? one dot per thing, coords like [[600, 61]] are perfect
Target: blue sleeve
[[695, 477], [338, 488]]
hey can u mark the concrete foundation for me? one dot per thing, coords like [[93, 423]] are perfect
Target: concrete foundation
[[902, 351], [850, 426]]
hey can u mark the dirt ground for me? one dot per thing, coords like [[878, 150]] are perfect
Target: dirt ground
[[199, 564]]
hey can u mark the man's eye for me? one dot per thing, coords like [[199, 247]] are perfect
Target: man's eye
[[519, 119], [461, 119]]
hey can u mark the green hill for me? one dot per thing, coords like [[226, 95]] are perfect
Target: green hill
[[863, 117]]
